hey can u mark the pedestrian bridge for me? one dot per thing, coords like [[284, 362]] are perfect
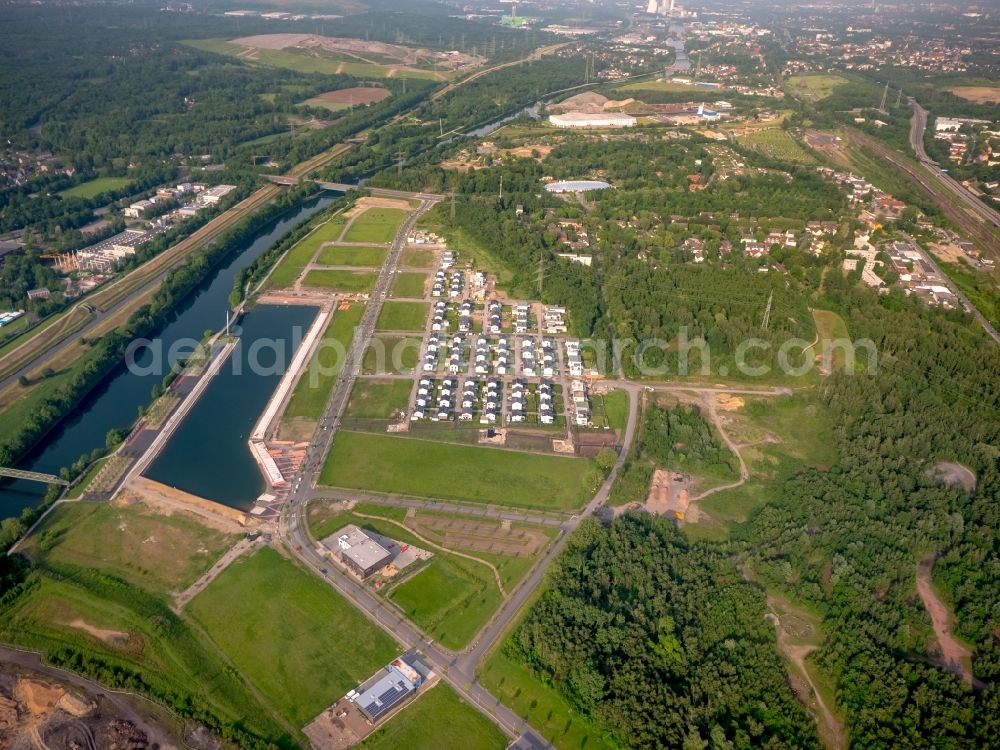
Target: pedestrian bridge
[[31, 476]]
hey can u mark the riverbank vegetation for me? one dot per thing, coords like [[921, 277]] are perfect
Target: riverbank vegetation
[[28, 419]]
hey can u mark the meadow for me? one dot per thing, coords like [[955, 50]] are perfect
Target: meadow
[[458, 472], [417, 257], [294, 638], [375, 225], [159, 553], [378, 399], [410, 285], [351, 282], [339, 255], [391, 355], [780, 436], [93, 188], [313, 389], [403, 316], [293, 264], [814, 87]]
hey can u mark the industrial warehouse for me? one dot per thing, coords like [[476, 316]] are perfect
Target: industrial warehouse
[[596, 120]]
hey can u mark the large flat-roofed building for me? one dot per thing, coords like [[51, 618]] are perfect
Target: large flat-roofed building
[[382, 694], [586, 120], [360, 552]]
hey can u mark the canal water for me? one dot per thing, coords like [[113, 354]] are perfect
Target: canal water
[[208, 454], [115, 403]]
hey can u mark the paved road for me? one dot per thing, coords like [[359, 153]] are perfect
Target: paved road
[[292, 529], [969, 307], [458, 669], [442, 506], [918, 124]]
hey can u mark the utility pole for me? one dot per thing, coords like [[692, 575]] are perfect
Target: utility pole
[[452, 194], [501, 187], [400, 161], [541, 274], [899, 97], [885, 93], [767, 310]]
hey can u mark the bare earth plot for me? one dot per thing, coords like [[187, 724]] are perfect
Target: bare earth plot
[[953, 655], [351, 97], [978, 94]]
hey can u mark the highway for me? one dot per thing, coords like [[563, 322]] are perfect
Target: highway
[[164, 262], [918, 124]]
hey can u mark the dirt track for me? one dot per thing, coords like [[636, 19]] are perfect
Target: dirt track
[[955, 657]]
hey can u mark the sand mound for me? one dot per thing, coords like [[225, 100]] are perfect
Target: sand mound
[[589, 102], [38, 697]]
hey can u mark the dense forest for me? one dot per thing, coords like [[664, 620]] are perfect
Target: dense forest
[[680, 438], [724, 306], [661, 642], [847, 542], [416, 138]]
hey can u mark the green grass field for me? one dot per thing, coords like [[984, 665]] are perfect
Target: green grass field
[[156, 552], [403, 316], [218, 46], [296, 259], [391, 355], [351, 282], [410, 285], [814, 87], [377, 225], [417, 257], [322, 104], [338, 255], [437, 719], [776, 143], [313, 389], [782, 436], [117, 627], [830, 327], [458, 472], [95, 187], [540, 704], [303, 61], [449, 597], [291, 635], [378, 399], [610, 409]]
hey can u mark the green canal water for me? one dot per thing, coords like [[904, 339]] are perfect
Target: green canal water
[[208, 455]]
